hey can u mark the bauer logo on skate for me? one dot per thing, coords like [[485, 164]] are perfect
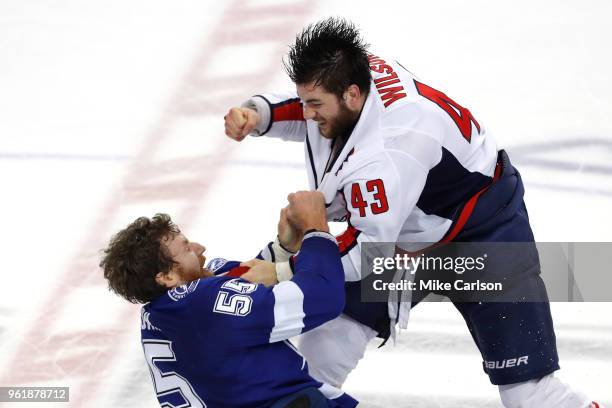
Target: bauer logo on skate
[[509, 363]]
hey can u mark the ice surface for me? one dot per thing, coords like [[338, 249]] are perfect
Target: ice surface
[[112, 110]]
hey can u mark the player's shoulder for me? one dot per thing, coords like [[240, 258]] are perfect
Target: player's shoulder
[[188, 291], [198, 290], [221, 265], [398, 95], [392, 85]]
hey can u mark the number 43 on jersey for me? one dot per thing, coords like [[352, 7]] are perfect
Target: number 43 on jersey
[[377, 205]]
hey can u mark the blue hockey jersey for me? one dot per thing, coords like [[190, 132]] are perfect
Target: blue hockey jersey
[[223, 341]]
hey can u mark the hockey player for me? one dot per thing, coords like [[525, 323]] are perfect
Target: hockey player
[[403, 162], [212, 339]]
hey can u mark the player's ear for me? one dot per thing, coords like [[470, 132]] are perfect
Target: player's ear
[[165, 279], [352, 97]]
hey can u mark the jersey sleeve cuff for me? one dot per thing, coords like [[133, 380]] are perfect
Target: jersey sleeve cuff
[[284, 271], [260, 105], [280, 253], [320, 234]]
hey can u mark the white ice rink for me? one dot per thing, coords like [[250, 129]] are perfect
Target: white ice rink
[[114, 109]]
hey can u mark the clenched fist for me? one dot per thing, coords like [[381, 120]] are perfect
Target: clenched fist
[[288, 236], [239, 122], [306, 211]]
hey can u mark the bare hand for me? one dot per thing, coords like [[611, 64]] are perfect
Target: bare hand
[[306, 211], [260, 272], [289, 236], [239, 122]]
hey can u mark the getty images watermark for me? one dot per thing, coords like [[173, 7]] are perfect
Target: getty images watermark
[[415, 263], [485, 272]]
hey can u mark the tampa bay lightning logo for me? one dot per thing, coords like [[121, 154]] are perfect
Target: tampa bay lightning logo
[[215, 264], [180, 292]]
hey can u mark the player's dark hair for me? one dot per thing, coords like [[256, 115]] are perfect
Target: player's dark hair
[[330, 53], [135, 255]]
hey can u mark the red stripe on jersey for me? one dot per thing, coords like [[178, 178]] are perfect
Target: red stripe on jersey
[[290, 111], [347, 239], [497, 172], [595, 405], [237, 271], [468, 208]]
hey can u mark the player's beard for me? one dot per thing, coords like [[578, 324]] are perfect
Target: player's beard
[[205, 273], [342, 125], [188, 275], [339, 132]]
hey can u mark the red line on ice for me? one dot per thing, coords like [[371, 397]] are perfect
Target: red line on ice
[[90, 355]]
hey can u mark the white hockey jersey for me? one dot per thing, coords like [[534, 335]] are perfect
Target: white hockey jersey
[[404, 175]]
